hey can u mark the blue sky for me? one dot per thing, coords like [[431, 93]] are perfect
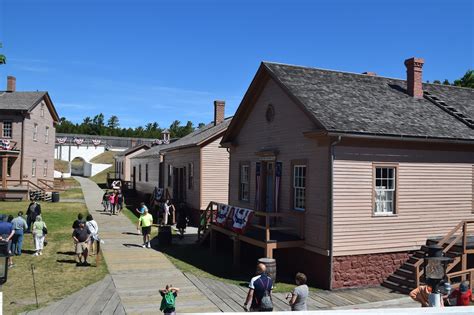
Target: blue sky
[[151, 60]]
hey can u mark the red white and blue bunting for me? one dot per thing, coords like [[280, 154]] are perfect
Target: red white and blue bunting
[[5, 144], [78, 141], [96, 142], [61, 140], [233, 217]]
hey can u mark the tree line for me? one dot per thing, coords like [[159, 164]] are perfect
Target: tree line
[[466, 81], [99, 126]]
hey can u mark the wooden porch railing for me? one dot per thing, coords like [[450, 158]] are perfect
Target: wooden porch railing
[[460, 228], [47, 184], [208, 216]]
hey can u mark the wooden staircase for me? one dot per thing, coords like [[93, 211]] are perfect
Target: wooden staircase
[[207, 217], [411, 274]]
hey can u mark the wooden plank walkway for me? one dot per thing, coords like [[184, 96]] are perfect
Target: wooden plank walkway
[[230, 297], [98, 298], [138, 273]]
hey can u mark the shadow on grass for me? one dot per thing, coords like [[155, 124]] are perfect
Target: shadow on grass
[[27, 251], [130, 233], [132, 245], [67, 261], [69, 253]]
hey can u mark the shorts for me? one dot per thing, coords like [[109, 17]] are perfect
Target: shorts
[[81, 247], [146, 230]]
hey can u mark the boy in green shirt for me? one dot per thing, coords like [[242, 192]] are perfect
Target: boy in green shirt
[[145, 221]]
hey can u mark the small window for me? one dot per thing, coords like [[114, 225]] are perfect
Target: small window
[[244, 182], [35, 132], [42, 110], [45, 168], [146, 172], [33, 168], [139, 172], [170, 174], [384, 190], [190, 175], [7, 129], [46, 135], [299, 187]]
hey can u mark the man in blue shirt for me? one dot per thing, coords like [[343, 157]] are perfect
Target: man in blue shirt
[[19, 227], [6, 234]]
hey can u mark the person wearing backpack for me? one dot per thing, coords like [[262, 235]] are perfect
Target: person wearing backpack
[[260, 292], [168, 301]]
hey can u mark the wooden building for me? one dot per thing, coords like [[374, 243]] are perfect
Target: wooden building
[[359, 170], [196, 167], [28, 125], [123, 169]]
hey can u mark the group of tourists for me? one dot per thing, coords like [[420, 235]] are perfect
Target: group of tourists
[[113, 201], [461, 296], [86, 239], [13, 229]]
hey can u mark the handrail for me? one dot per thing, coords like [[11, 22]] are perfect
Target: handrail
[[206, 218], [45, 183]]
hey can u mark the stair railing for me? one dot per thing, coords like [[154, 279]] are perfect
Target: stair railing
[[206, 218], [462, 259]]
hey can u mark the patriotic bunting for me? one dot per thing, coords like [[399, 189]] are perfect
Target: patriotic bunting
[[78, 141], [5, 144], [96, 142], [61, 140]]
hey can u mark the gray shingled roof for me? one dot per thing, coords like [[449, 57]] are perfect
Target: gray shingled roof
[[132, 149], [356, 103], [152, 152], [200, 135], [22, 101]]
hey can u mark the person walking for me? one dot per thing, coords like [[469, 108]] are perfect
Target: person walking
[[80, 219], [140, 210], [81, 239], [105, 200], [6, 235], [112, 203], [93, 228], [145, 221], [34, 209], [120, 201], [169, 210], [297, 298], [38, 233], [168, 301], [20, 227], [182, 220], [260, 292]]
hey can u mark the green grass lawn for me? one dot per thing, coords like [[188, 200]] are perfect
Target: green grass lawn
[[56, 273], [73, 193], [105, 158], [61, 166]]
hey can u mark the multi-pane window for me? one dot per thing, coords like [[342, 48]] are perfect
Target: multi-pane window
[[244, 182], [139, 172], [190, 176], [384, 190], [170, 174], [146, 172], [7, 129], [45, 168], [299, 187], [42, 110], [33, 168], [46, 135], [35, 132]]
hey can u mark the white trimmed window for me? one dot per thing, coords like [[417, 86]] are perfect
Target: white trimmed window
[[46, 135], [385, 189], [35, 132], [42, 110], [190, 175], [7, 129], [299, 187], [244, 182], [33, 168], [45, 168]]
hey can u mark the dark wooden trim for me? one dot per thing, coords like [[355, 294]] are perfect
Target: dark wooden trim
[[292, 174], [244, 163]]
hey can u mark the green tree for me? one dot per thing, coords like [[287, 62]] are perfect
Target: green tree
[[113, 122], [3, 59], [446, 82], [467, 80]]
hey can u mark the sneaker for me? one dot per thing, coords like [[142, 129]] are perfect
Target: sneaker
[[36, 254], [144, 246], [11, 265], [41, 253], [148, 245], [86, 264]]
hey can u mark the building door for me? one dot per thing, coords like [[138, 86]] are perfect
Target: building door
[[134, 176], [179, 184], [269, 186]]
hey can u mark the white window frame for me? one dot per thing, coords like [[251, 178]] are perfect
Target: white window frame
[[9, 122], [383, 205], [299, 187], [46, 135], [45, 168], [33, 168], [244, 182], [35, 132]]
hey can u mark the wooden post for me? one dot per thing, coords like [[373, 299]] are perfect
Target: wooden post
[[464, 255], [213, 241], [236, 256], [4, 172], [267, 228], [268, 251]]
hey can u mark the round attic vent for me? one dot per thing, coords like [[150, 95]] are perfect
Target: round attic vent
[[270, 113]]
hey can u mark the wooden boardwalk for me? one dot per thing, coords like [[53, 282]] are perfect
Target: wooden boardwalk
[[230, 297], [98, 298], [138, 273]]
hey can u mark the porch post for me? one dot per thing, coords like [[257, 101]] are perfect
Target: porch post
[[268, 251], [4, 172]]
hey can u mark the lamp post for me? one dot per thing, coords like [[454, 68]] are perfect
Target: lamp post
[[435, 272], [4, 254]]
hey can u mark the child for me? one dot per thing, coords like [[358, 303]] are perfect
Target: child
[[169, 295], [463, 294], [421, 295], [105, 200]]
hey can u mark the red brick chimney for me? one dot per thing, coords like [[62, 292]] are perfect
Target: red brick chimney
[[219, 109], [414, 76], [11, 84]]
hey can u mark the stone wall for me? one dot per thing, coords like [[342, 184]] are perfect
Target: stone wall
[[365, 270]]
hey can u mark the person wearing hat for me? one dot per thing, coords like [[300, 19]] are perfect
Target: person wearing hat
[[463, 294]]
